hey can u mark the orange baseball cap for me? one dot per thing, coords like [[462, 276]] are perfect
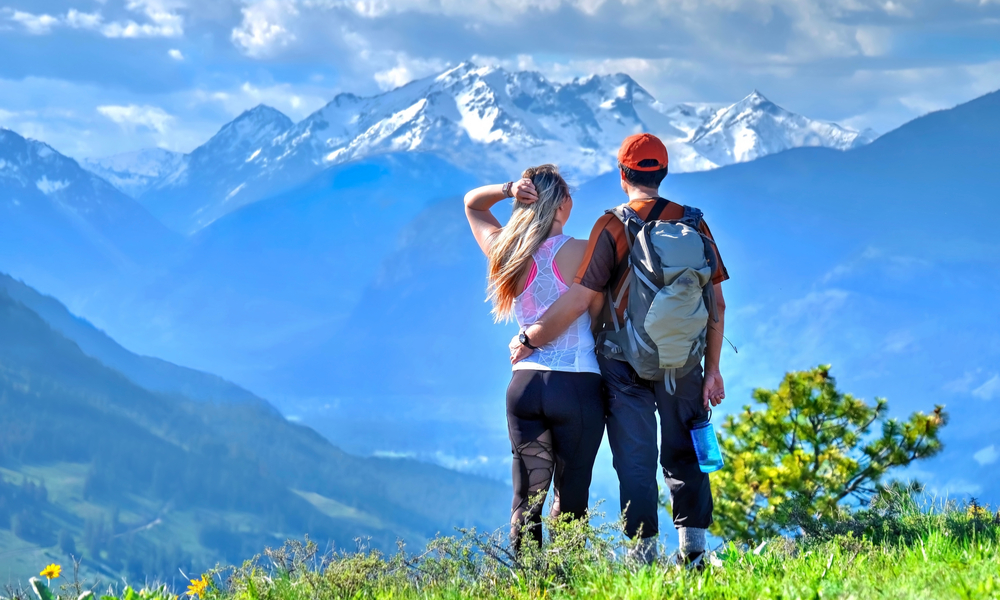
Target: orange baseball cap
[[642, 146]]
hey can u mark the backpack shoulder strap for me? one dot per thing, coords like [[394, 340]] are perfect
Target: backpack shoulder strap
[[630, 219], [658, 208], [693, 217]]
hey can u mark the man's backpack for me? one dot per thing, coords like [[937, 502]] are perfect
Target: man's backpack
[[670, 296]]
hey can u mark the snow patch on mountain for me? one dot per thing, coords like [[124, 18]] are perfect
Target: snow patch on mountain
[[50, 187], [134, 172]]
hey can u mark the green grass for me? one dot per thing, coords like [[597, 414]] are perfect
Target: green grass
[[887, 551]]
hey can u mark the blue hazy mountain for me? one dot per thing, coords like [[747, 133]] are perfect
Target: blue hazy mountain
[[882, 260], [150, 373], [142, 483], [262, 286], [63, 227]]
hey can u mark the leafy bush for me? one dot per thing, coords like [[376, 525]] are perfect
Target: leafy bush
[[812, 447]]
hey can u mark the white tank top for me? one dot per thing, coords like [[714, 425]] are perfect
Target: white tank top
[[572, 351]]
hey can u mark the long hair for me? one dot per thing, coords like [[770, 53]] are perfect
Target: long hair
[[529, 226]]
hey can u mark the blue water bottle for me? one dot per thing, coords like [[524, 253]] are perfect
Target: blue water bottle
[[706, 445]]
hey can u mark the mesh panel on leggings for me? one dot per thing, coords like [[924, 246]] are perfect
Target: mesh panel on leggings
[[538, 461]]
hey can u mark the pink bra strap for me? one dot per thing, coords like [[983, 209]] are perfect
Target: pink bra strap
[[532, 273], [555, 268]]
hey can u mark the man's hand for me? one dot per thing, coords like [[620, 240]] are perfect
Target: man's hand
[[525, 192], [713, 389], [518, 351]]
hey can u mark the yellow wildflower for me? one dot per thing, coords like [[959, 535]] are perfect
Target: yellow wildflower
[[198, 587], [977, 511], [51, 572]]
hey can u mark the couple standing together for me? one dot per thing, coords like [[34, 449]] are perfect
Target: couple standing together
[[566, 388]]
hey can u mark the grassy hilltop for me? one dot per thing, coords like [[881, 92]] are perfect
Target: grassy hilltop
[[891, 550]]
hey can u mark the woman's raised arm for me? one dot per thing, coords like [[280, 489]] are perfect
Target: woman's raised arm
[[479, 201]]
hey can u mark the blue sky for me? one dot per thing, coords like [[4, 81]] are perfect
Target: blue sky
[[97, 77]]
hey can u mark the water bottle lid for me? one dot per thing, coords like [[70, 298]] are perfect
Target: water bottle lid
[[702, 422]]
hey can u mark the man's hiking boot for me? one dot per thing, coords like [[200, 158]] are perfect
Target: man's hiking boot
[[695, 561]]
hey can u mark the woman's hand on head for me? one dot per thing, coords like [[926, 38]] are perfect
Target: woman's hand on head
[[525, 193]]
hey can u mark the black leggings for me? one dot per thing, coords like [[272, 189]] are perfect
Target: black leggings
[[556, 423]]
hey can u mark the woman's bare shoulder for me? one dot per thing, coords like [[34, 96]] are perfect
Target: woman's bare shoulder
[[576, 247], [571, 254]]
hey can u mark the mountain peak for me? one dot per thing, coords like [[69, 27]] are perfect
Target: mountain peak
[[263, 112], [754, 98], [458, 71]]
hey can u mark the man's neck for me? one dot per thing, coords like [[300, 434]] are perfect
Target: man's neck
[[642, 193]]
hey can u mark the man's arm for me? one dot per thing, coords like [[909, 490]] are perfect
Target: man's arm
[[714, 390], [556, 320]]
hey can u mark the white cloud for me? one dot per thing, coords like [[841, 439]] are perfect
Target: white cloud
[[874, 41], [175, 54], [82, 20], [406, 70], [987, 456], [899, 341], [264, 27], [988, 390], [132, 116], [33, 24], [964, 384], [911, 92], [161, 15], [896, 266], [163, 21]]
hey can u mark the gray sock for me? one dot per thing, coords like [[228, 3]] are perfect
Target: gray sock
[[692, 539], [644, 552]]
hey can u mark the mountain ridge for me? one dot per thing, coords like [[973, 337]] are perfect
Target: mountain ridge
[[483, 119]]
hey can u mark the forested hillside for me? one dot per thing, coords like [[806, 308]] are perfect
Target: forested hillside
[[142, 483]]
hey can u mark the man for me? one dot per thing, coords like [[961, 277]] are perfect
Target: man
[[634, 402]]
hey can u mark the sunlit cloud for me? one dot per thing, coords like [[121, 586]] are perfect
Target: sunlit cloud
[[988, 390], [264, 28], [132, 116], [33, 24]]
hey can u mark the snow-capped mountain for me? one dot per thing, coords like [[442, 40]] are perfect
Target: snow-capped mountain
[[755, 127], [134, 172], [59, 222], [482, 119], [208, 182]]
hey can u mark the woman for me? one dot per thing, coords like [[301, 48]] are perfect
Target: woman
[[555, 412]]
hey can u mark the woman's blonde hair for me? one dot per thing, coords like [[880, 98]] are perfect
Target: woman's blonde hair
[[529, 226]]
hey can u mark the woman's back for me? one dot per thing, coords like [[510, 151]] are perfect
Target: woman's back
[[573, 351]]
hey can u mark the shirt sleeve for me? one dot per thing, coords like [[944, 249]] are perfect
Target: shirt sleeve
[[599, 259], [721, 274]]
